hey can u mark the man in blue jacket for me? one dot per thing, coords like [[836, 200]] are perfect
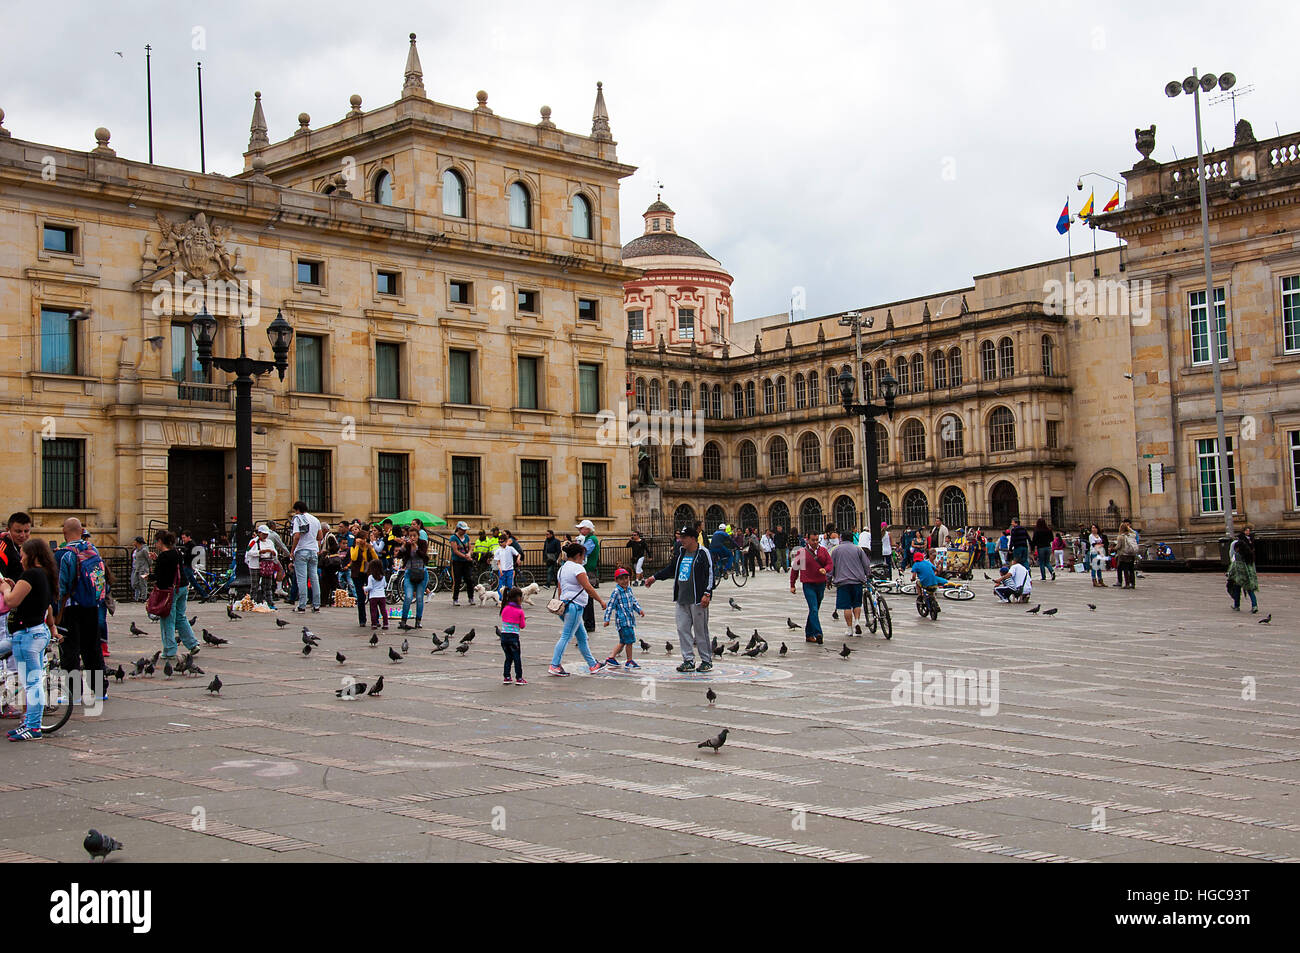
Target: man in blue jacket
[[692, 575]]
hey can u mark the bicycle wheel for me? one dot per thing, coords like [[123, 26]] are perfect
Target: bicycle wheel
[[870, 614], [934, 608], [58, 699], [886, 623], [435, 581], [922, 609], [739, 577], [488, 580], [907, 588], [523, 578], [961, 595]]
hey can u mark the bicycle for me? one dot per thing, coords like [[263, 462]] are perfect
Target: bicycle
[[56, 688], [958, 591], [489, 579], [735, 571], [877, 613], [927, 604], [208, 584]]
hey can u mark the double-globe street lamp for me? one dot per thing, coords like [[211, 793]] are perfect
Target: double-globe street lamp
[[869, 412], [245, 370]]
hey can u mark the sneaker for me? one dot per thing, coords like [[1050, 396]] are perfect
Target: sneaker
[[418, 624], [1254, 610], [705, 667], [612, 661], [9, 711], [632, 664], [299, 609], [25, 734], [315, 608], [520, 681], [104, 651], [687, 666], [507, 681], [372, 628], [596, 668], [455, 605], [557, 671]]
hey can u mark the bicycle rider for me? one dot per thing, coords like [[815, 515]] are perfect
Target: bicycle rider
[[926, 575], [723, 549]]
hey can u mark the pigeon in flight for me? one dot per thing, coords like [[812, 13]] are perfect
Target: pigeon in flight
[[715, 743], [100, 845]]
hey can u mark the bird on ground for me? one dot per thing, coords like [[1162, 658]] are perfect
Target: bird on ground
[[351, 690], [783, 649], [1267, 620], [167, 669], [100, 845], [183, 665], [734, 604], [213, 639], [306, 650], [717, 647], [1051, 612], [136, 630], [377, 687], [1091, 607], [462, 648], [156, 656], [281, 623], [440, 647], [340, 657], [139, 667], [468, 637], [497, 629], [733, 648], [214, 686], [711, 695], [790, 624], [149, 670], [753, 640], [393, 654], [846, 651], [449, 631], [668, 647], [731, 636], [374, 640], [310, 638], [1034, 610], [762, 648], [715, 743], [752, 653], [193, 619], [645, 646], [231, 612], [119, 674], [835, 614], [193, 669], [406, 646], [988, 577]]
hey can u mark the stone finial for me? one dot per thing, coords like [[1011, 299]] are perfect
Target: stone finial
[[925, 312], [758, 343], [1245, 135], [304, 125], [413, 85], [546, 119], [101, 143], [821, 333], [259, 171], [889, 320], [482, 106], [1145, 143], [600, 117], [355, 101], [340, 182], [789, 341], [257, 129], [5, 132]]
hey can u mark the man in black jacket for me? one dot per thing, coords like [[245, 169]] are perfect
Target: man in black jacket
[[781, 555], [1019, 543], [692, 575]]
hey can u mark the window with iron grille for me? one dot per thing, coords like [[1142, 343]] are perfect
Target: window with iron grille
[[810, 453], [781, 399], [842, 449], [681, 463], [988, 361], [465, 485], [800, 392], [749, 460], [778, 457], [712, 462], [778, 515], [769, 397], [939, 366], [916, 509], [952, 507], [315, 480], [532, 488], [882, 445], [951, 437], [63, 474], [811, 520], [845, 515], [1053, 434], [1002, 431], [394, 485], [913, 436], [58, 342], [954, 367], [1006, 358]]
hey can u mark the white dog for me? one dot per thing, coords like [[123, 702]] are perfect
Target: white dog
[[484, 595], [529, 591]]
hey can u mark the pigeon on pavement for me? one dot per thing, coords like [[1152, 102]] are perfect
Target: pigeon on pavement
[[306, 650], [715, 743], [100, 845], [231, 612], [213, 639], [1034, 610], [406, 646], [846, 651], [1050, 612], [374, 639], [783, 649], [734, 604], [281, 623], [1091, 607], [214, 686], [393, 654], [136, 630], [341, 657], [462, 648], [351, 690], [645, 646], [711, 695], [119, 674], [1267, 620], [377, 687], [790, 624], [468, 637], [668, 647]]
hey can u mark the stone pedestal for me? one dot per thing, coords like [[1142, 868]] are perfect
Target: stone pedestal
[[647, 509]]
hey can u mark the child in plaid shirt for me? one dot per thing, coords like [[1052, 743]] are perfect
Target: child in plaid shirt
[[624, 607]]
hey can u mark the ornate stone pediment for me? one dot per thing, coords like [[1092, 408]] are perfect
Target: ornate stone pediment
[[196, 247]]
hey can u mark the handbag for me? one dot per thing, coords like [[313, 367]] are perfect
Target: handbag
[[557, 605], [159, 603]]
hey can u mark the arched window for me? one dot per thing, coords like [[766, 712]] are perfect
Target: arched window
[[748, 460], [683, 516], [737, 401], [581, 217], [714, 517], [712, 461], [842, 448], [844, 513], [951, 437], [913, 437], [681, 462], [939, 369], [988, 361], [750, 403], [717, 401], [954, 367], [781, 398], [748, 517], [811, 521], [800, 392], [918, 373], [868, 382], [882, 369], [812, 389], [453, 194], [688, 398], [769, 397], [832, 387], [1048, 363], [952, 507], [654, 396], [1006, 358], [640, 393], [521, 206], [778, 516], [916, 509], [1002, 431], [810, 453], [884, 509], [384, 188], [882, 445], [903, 373], [778, 457], [672, 396]]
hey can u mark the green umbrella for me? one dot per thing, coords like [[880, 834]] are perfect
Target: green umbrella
[[428, 519]]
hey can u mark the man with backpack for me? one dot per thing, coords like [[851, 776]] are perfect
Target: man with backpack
[[82, 587]]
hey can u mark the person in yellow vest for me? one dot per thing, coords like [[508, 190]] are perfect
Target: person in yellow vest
[[482, 550]]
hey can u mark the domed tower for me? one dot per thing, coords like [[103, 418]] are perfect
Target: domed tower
[[684, 296]]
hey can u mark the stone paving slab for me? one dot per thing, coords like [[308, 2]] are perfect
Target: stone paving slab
[[1137, 709]]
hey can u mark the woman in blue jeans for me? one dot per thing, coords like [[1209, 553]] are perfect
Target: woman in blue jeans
[[575, 590], [30, 623], [167, 575], [414, 555]]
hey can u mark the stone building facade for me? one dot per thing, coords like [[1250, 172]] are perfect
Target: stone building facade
[[453, 278]]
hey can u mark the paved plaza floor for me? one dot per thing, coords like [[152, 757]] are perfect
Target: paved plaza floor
[[1160, 727]]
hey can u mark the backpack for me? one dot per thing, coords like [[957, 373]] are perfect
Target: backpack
[[91, 587]]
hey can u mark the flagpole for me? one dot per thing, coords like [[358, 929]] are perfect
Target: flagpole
[[1096, 272], [148, 85], [203, 166], [1069, 247]]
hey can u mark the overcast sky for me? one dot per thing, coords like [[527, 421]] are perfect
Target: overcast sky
[[863, 151]]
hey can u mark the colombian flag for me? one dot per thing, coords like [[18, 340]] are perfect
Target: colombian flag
[[1086, 212], [1063, 223], [1113, 203]]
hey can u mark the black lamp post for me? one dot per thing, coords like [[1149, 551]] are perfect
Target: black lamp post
[[869, 412], [245, 370]]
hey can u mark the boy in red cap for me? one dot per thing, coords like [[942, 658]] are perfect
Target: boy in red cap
[[624, 607]]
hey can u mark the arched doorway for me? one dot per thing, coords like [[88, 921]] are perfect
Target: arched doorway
[[844, 513], [952, 508], [1004, 504], [714, 516], [916, 509], [749, 516], [778, 516], [811, 520], [683, 516]]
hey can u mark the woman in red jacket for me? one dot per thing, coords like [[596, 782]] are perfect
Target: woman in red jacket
[[811, 566]]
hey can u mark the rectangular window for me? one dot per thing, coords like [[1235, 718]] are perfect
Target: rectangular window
[[1207, 467], [315, 483], [459, 391], [58, 342], [587, 309], [1053, 434], [465, 485], [528, 382], [63, 474], [593, 490], [526, 302], [636, 324], [588, 388], [1294, 439], [686, 324], [1291, 313], [532, 488], [387, 282], [394, 487], [59, 239], [309, 377], [462, 292], [185, 356], [1201, 328], [388, 370], [309, 274]]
